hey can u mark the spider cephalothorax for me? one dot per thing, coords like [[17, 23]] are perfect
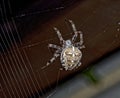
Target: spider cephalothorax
[[70, 52]]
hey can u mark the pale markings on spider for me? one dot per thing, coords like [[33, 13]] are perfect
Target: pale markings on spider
[[70, 52]]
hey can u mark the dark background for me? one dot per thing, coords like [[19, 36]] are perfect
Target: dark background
[[19, 7]]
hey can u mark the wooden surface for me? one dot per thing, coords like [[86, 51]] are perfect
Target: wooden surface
[[99, 20]]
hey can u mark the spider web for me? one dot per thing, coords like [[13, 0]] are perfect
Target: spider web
[[16, 70], [14, 66]]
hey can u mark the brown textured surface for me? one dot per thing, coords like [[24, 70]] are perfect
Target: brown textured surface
[[97, 19]]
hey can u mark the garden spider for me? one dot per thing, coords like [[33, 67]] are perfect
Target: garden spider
[[70, 52]]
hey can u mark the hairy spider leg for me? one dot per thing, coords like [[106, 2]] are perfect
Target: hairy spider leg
[[54, 46], [76, 33], [53, 58], [74, 30], [59, 35], [74, 37], [73, 26], [81, 37], [79, 64], [80, 43], [79, 46], [56, 54], [50, 46]]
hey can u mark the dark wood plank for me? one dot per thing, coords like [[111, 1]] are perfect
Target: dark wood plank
[[97, 19]]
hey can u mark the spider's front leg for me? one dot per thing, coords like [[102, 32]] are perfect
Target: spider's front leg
[[59, 35], [74, 30], [80, 43], [73, 26]]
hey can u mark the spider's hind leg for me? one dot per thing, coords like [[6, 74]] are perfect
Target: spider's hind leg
[[52, 59], [56, 54], [79, 64]]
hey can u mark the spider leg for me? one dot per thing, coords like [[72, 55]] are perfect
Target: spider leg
[[76, 33], [83, 46], [79, 64], [54, 46], [59, 35], [73, 26], [79, 45], [56, 54], [74, 30], [52, 59], [81, 38], [74, 37]]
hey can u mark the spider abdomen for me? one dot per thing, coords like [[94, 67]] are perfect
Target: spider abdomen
[[70, 58]]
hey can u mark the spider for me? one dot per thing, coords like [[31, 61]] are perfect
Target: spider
[[69, 51]]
